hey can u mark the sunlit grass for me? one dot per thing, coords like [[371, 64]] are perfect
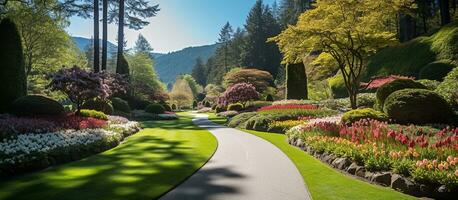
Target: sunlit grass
[[145, 166]]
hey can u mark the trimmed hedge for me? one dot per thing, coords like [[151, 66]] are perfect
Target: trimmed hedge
[[449, 88], [99, 105], [338, 88], [12, 68], [120, 105], [93, 113], [235, 107], [367, 113], [33, 105], [436, 70], [155, 109], [385, 90], [417, 106], [296, 81]]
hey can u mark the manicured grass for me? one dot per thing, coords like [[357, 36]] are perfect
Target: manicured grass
[[323, 181], [216, 119], [145, 166]]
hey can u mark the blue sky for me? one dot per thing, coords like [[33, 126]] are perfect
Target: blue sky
[[179, 24]]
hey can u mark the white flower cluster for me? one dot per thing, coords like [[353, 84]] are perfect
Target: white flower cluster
[[25, 147], [332, 119]]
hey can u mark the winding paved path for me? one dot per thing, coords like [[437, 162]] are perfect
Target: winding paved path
[[244, 167]]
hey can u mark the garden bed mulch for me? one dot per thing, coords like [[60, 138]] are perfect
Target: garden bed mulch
[[387, 179]]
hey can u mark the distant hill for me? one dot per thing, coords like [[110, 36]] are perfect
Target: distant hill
[[169, 66], [82, 44]]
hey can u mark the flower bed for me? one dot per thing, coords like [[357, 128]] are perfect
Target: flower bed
[[42, 147], [386, 154], [283, 126]]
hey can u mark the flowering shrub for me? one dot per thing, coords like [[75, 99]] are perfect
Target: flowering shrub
[[240, 92], [379, 81], [290, 106], [283, 126], [284, 112], [80, 85], [426, 154], [293, 102], [30, 151]]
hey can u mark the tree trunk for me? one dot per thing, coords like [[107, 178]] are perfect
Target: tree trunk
[[444, 6], [406, 27], [296, 81], [96, 37], [120, 32], [104, 35]]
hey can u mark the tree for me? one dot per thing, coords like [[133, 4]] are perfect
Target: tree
[[261, 80], [12, 70], [142, 45], [290, 10], [350, 31], [257, 53], [225, 37], [195, 87], [132, 16], [96, 37], [444, 6], [144, 82], [104, 34], [181, 93], [198, 72]]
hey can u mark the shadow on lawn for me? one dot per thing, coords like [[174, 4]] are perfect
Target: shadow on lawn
[[143, 167]]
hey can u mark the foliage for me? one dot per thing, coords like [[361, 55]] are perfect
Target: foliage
[[80, 85], [12, 71], [142, 45], [228, 114], [194, 104], [100, 105], [366, 100], [367, 113], [198, 72], [409, 58], [283, 126], [429, 84], [120, 105], [436, 70], [399, 84], [296, 81], [417, 106], [155, 109], [337, 85], [269, 97], [181, 94], [174, 107], [93, 114], [235, 107], [258, 123], [295, 112], [122, 66], [378, 82], [256, 52], [449, 88], [195, 87], [240, 92], [33, 105], [144, 82], [240, 119], [348, 30], [213, 91], [261, 80]]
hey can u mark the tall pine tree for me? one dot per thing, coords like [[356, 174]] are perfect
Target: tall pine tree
[[198, 72], [225, 37], [142, 45], [257, 53]]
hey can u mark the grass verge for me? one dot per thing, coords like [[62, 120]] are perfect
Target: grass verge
[[145, 166], [323, 181]]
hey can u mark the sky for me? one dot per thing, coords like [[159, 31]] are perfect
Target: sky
[[179, 23]]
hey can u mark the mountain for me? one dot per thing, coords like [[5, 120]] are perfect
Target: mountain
[[169, 66], [82, 44]]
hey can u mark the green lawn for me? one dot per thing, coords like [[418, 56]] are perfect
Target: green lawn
[[323, 181], [145, 166]]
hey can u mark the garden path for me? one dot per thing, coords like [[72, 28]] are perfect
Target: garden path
[[243, 167]]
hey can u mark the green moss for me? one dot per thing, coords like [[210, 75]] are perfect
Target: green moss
[[366, 113], [436, 70], [449, 88], [429, 84]]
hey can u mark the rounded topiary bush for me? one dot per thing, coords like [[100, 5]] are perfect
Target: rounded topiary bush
[[36, 105], [93, 113], [429, 84], [235, 107], [155, 108], [449, 88], [417, 106], [104, 106], [385, 90], [436, 70], [120, 105], [366, 113], [366, 100], [167, 107]]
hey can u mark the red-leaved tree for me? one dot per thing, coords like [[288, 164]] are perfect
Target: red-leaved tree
[[239, 93]]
